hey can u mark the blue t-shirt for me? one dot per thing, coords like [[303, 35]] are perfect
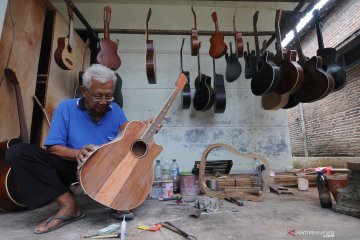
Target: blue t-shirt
[[71, 125]]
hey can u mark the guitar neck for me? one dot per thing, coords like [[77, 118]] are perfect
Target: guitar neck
[[192, 9], [257, 48], [22, 119], [279, 49], [71, 32], [318, 30], [106, 30], [298, 48]]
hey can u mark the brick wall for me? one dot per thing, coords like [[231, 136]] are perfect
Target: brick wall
[[332, 125]]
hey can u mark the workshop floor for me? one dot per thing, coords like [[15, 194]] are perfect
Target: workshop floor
[[273, 218]]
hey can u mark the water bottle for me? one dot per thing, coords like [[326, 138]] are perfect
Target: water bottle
[[166, 171], [158, 171], [174, 171], [324, 193]]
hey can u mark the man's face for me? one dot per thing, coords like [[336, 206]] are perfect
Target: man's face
[[99, 96]]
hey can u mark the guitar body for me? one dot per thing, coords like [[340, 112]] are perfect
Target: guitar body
[[292, 102], [194, 42], [233, 68], [317, 83], [108, 54], [250, 64], [150, 62], [329, 65], [64, 56], [220, 94], [204, 96], [292, 74], [266, 77], [186, 92], [218, 48], [119, 174], [274, 101], [9, 188]]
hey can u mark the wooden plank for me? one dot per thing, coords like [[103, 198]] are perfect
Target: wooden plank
[[19, 50]]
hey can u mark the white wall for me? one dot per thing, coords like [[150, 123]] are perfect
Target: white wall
[[186, 133], [3, 5]]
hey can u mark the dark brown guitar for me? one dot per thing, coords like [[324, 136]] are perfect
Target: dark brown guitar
[[9, 189], [119, 174], [317, 83], [217, 45], [267, 74], [233, 66], [250, 62], [64, 54], [239, 43], [150, 54], [186, 92], [328, 56], [219, 89], [292, 74], [108, 55], [194, 37], [204, 95]]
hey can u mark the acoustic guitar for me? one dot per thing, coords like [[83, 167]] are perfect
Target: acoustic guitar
[[250, 62], [9, 189], [64, 54], [119, 174], [292, 74], [266, 77], [186, 92], [233, 66], [317, 83], [150, 54], [217, 45], [194, 37], [239, 43], [219, 89], [328, 56], [204, 95], [108, 55]]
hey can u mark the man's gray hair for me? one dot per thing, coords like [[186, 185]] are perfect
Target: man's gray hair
[[99, 73]]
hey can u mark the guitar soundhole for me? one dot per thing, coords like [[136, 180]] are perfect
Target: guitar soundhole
[[139, 149], [69, 61]]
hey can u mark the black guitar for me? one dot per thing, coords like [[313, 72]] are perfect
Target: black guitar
[[328, 56], [233, 66], [186, 92], [250, 62], [204, 96], [267, 74], [219, 88]]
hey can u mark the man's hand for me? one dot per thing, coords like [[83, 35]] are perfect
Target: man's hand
[[150, 120], [85, 152]]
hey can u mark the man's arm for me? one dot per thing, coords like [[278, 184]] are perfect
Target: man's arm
[[64, 152]]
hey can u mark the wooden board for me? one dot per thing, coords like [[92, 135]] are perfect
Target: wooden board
[[61, 83], [21, 41]]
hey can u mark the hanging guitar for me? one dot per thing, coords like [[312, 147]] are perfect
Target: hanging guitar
[[150, 54], [317, 83], [233, 66], [9, 189], [204, 95], [217, 45], [219, 89], [239, 44], [186, 92], [328, 56], [108, 55], [119, 174], [194, 37], [267, 74], [64, 54], [250, 62]]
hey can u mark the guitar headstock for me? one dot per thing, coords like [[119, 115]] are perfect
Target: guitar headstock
[[69, 8], [181, 81], [214, 16], [255, 18], [107, 14]]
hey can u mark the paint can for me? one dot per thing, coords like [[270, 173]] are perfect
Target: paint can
[[167, 188], [189, 184]]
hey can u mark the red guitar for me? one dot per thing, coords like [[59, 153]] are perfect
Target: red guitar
[[64, 55], [218, 47], [108, 55], [150, 54], [194, 36]]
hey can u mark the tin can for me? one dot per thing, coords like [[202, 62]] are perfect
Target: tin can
[[167, 189]]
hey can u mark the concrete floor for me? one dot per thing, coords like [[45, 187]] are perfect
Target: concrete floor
[[273, 218]]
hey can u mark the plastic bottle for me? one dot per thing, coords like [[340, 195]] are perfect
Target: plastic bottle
[[123, 229], [158, 171], [174, 171], [324, 193], [166, 171]]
